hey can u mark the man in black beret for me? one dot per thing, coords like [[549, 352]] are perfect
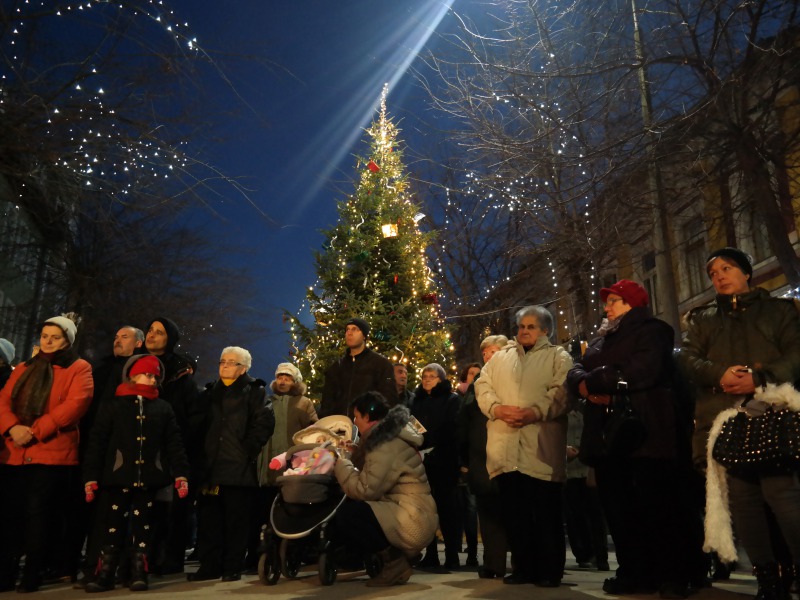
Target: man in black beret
[[359, 370]]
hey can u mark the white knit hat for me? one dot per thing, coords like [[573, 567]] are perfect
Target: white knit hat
[[7, 350], [67, 325], [290, 370]]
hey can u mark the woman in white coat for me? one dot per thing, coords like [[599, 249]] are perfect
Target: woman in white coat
[[521, 391]]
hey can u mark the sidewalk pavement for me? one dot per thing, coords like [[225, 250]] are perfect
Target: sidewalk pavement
[[577, 583]]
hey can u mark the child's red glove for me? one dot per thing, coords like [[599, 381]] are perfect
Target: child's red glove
[[182, 485], [90, 488]]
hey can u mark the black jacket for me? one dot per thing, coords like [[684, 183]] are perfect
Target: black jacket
[[238, 422], [180, 389], [351, 376], [472, 438], [639, 352], [126, 450], [438, 413]]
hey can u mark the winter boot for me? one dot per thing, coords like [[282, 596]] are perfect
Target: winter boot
[[139, 570], [396, 569], [104, 574], [770, 586]]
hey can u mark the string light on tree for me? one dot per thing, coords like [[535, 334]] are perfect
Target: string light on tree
[[373, 265]]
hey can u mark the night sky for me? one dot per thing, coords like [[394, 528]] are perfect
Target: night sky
[[309, 76]]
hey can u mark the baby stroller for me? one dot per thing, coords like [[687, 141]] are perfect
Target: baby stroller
[[297, 532]]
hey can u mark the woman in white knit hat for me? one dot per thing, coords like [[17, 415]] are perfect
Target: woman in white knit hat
[[40, 407]]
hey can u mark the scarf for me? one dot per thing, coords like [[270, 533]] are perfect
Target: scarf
[[32, 390], [609, 326], [137, 389]]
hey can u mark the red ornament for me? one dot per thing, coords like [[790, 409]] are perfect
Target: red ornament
[[373, 167], [430, 299]]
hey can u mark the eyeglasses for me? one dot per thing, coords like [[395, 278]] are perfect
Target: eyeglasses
[[612, 301], [230, 363]]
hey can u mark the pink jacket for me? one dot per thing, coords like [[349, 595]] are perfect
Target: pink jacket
[[56, 431]]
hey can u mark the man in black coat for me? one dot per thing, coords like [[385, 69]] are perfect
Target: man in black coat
[[239, 421], [359, 370]]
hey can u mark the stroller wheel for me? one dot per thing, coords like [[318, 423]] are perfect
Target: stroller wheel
[[373, 564], [326, 568], [269, 569], [290, 560]]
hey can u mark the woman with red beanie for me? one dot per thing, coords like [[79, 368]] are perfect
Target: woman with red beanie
[[656, 531]]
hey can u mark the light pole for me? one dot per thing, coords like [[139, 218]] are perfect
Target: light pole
[[664, 265]]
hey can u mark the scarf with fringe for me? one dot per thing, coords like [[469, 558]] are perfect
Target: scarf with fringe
[[32, 390]]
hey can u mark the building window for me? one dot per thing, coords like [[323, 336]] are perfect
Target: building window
[[694, 250], [650, 280]]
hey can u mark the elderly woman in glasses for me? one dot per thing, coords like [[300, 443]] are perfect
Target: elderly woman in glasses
[[238, 421], [656, 533], [521, 392]]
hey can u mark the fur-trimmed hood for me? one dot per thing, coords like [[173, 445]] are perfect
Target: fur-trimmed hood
[[298, 389], [395, 424]]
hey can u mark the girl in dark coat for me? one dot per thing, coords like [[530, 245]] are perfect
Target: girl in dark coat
[[134, 450], [436, 407], [656, 533], [239, 421]]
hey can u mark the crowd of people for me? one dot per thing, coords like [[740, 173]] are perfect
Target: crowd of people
[[117, 469]]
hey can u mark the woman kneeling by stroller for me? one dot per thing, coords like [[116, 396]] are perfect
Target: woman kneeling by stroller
[[389, 509]]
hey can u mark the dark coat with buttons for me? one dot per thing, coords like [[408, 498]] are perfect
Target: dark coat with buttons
[[639, 352], [135, 442], [238, 422]]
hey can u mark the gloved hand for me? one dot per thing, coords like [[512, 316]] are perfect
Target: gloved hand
[[602, 399], [90, 488], [182, 485]]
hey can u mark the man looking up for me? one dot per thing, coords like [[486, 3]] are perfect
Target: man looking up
[[359, 370], [404, 396]]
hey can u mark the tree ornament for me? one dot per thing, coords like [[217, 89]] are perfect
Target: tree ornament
[[372, 166], [381, 335], [431, 298], [361, 256]]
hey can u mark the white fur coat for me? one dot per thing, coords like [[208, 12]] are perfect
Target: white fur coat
[[718, 530]]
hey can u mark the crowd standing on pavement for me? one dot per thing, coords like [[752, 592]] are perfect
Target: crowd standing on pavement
[[111, 472]]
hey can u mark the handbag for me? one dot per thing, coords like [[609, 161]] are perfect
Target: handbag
[[768, 443], [624, 431], [611, 432]]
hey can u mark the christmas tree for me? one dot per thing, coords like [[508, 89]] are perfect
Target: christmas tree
[[373, 265]]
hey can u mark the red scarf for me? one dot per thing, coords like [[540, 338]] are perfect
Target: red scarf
[[137, 389]]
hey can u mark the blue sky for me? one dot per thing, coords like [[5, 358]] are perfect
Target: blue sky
[[308, 78]]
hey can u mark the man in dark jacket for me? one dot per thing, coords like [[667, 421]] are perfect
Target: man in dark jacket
[[359, 370], [239, 421]]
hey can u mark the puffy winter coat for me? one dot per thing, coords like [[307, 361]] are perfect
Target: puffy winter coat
[[533, 379], [56, 431], [135, 442], [639, 352], [759, 331], [393, 482], [239, 421], [351, 376]]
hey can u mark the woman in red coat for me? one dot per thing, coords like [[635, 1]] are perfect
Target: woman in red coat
[[40, 407]]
